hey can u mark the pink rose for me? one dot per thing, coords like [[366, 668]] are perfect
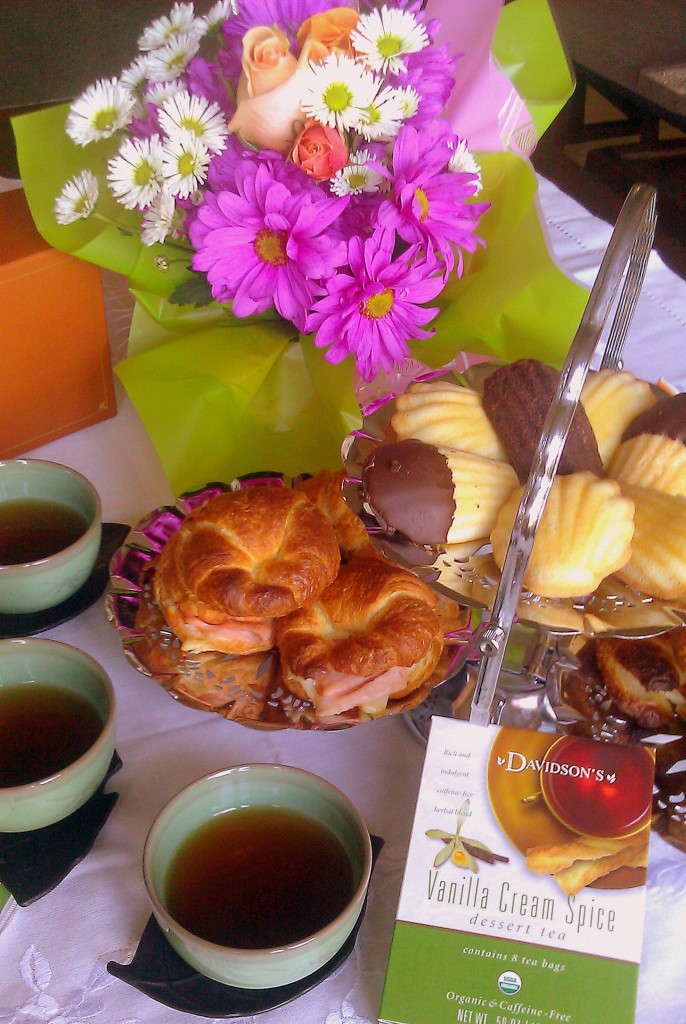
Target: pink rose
[[269, 91], [319, 151]]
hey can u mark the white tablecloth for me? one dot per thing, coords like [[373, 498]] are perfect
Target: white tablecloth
[[53, 954]]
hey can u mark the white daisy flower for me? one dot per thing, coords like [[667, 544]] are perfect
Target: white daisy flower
[[180, 19], [184, 162], [219, 13], [409, 98], [135, 75], [357, 176], [185, 112], [384, 118], [135, 173], [99, 112], [171, 60], [338, 91], [161, 219], [134, 78], [158, 92], [383, 36], [77, 199], [463, 161]]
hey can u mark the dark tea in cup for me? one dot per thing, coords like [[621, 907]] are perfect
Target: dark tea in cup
[[50, 533], [31, 529], [57, 728], [43, 729], [258, 877], [257, 874]]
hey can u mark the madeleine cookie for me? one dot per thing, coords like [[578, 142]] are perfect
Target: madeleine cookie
[[584, 535], [516, 399], [446, 415], [657, 566], [612, 399], [650, 460]]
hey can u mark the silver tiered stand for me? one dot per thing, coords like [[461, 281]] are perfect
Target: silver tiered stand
[[513, 660], [616, 288]]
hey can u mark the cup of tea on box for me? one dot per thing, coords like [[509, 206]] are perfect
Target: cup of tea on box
[[50, 530], [257, 874], [57, 729], [602, 790]]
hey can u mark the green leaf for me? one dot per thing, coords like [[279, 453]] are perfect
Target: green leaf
[[194, 292], [438, 833]]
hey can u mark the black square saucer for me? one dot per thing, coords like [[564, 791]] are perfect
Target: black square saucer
[[30, 623], [160, 973], [33, 863]]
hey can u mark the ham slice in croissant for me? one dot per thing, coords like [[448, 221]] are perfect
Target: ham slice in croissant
[[372, 636], [241, 561]]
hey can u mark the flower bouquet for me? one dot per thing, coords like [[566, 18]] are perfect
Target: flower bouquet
[[304, 195]]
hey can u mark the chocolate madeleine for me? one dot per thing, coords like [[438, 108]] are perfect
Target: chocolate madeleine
[[516, 399]]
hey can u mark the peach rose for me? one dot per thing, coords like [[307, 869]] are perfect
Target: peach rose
[[329, 32], [266, 117], [319, 151], [267, 60]]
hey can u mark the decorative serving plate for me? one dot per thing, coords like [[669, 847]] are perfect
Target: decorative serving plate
[[468, 574], [247, 689]]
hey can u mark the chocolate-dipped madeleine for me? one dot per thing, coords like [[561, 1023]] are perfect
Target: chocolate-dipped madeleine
[[653, 448], [433, 495]]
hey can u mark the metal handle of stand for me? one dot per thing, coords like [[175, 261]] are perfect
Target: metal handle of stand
[[624, 265]]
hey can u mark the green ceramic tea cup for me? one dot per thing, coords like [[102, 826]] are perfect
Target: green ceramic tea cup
[[243, 825], [57, 731], [50, 530]]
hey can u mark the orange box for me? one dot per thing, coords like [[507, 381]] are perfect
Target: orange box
[[55, 366]]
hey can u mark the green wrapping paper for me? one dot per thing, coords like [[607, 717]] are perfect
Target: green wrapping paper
[[221, 396]]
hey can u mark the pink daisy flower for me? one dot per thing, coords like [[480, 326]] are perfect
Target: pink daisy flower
[[262, 244], [374, 310], [428, 204]]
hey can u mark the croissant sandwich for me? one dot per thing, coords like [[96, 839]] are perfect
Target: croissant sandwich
[[373, 636], [239, 563]]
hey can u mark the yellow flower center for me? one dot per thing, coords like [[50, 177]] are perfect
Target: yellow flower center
[[186, 165], [270, 246], [423, 201], [105, 119], [356, 179], [177, 62], [192, 125], [337, 97], [143, 174], [379, 305], [389, 46]]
